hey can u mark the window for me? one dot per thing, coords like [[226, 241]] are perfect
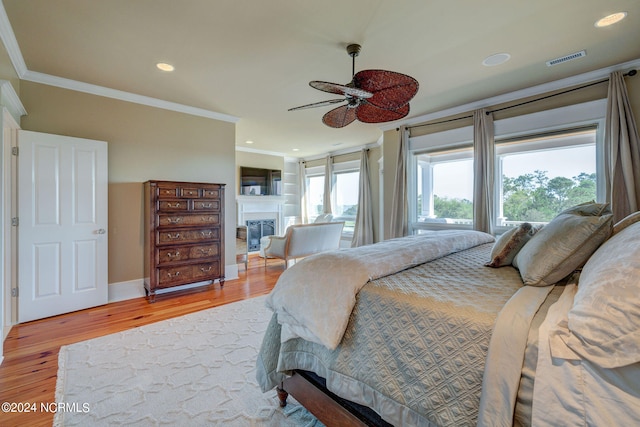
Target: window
[[540, 176], [315, 196], [445, 187], [344, 194], [545, 162], [345, 198]]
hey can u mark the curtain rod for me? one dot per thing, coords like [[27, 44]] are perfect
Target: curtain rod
[[630, 74]]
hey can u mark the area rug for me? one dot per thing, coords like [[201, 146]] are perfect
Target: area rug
[[193, 370]]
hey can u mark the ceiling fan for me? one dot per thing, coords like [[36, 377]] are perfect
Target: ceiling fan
[[372, 96]]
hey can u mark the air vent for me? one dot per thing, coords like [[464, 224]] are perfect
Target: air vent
[[566, 58]]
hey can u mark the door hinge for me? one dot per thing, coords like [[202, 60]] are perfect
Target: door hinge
[[14, 292], [14, 151], [15, 221]]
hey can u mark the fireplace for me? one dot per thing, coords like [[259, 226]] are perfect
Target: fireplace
[[258, 228], [263, 217]]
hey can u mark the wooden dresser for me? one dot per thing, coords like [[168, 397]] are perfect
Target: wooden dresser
[[184, 234]]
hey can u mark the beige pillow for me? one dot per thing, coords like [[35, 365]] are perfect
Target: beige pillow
[[561, 246], [508, 245], [588, 209], [605, 318], [625, 222]]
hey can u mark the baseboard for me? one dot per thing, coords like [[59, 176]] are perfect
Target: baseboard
[[121, 291], [126, 290]]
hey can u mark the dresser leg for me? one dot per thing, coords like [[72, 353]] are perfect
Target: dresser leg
[[222, 282]]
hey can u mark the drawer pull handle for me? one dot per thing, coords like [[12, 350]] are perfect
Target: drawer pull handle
[[205, 251], [205, 270], [176, 274], [170, 255], [174, 205], [175, 220], [173, 236], [207, 234], [191, 193], [207, 219], [208, 205]]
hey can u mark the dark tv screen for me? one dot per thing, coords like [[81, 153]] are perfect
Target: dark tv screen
[[260, 182]]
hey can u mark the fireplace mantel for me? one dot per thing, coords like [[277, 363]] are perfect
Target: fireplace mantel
[[261, 207]]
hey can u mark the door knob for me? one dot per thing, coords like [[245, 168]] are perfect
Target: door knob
[[101, 231]]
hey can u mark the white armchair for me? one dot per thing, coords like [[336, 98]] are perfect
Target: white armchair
[[303, 240]]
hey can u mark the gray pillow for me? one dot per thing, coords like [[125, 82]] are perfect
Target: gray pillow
[[509, 244], [562, 246]]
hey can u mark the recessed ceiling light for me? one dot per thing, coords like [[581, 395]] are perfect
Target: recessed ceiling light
[[295, 149], [610, 19], [497, 59], [165, 67], [248, 142]]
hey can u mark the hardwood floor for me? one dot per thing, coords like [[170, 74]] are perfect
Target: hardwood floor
[[29, 370]]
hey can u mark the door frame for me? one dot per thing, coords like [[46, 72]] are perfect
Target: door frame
[[9, 232]]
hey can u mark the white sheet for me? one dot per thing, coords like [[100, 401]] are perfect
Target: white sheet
[[570, 391], [314, 298], [506, 354]]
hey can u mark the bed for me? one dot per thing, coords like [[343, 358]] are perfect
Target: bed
[[421, 331]]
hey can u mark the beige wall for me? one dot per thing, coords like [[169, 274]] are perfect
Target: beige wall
[[144, 143], [7, 72]]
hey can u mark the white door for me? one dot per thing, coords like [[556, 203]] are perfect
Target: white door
[[62, 211]]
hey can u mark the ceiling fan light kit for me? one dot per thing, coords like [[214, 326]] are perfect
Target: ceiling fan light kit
[[372, 96]]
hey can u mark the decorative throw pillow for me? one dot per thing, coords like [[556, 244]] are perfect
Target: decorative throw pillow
[[625, 222], [605, 318], [562, 246], [508, 245], [588, 209]]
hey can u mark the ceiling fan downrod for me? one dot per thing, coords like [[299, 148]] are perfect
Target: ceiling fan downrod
[[353, 50]]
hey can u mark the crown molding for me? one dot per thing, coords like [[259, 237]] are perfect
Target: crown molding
[[579, 79], [10, 100], [61, 82]]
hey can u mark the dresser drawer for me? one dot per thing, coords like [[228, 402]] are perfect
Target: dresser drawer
[[186, 253], [204, 271], [171, 237], [173, 205], [172, 276], [206, 205], [211, 193], [168, 220], [166, 192], [190, 192]]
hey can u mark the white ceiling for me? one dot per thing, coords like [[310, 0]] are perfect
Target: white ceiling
[[252, 60]]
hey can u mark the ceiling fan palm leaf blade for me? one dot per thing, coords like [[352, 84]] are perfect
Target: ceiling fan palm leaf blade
[[317, 104], [340, 89], [390, 90], [339, 117], [368, 113]]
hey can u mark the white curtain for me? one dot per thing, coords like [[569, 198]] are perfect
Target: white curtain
[[622, 151], [399, 209], [302, 182], [328, 181], [363, 230], [483, 170]]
